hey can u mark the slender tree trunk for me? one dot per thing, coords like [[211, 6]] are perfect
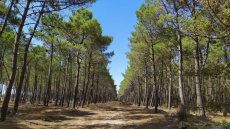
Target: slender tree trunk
[[155, 78], [40, 90], [87, 82], [225, 108], [27, 83], [146, 89], [35, 88], [19, 88], [2, 57], [84, 84], [14, 66], [57, 91], [97, 90], [170, 86], [180, 71], [77, 80], [62, 96], [65, 83], [200, 108], [182, 107], [48, 91], [69, 90], [91, 93], [139, 91]]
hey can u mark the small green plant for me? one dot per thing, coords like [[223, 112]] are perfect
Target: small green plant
[[182, 115]]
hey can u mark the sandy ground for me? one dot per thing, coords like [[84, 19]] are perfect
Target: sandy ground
[[111, 115]]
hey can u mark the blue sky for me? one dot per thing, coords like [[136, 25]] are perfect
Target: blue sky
[[117, 18]]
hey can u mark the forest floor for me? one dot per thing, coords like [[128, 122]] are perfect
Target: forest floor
[[113, 115]]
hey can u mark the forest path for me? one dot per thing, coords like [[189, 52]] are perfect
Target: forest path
[[113, 115]]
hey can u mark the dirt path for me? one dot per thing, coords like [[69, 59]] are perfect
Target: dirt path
[[111, 115]]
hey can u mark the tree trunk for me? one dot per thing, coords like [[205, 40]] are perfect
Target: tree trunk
[[182, 107], [139, 91], [65, 83], [91, 93], [170, 86], [225, 108], [155, 79], [40, 90], [57, 91], [19, 88], [24, 98], [35, 88], [69, 90], [77, 80], [2, 57], [87, 82], [14, 67], [97, 90], [48, 91], [146, 89], [200, 108]]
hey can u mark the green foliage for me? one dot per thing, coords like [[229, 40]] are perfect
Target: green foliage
[[203, 30], [182, 114], [3, 8]]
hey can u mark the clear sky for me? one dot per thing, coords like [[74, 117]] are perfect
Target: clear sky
[[117, 18]]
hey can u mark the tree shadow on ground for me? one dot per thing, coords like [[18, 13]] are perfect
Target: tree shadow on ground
[[152, 125], [198, 120], [42, 114], [140, 117], [9, 124], [43, 117], [30, 110], [70, 113], [143, 111], [159, 125], [101, 126], [54, 116]]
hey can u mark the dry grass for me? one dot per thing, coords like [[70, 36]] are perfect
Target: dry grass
[[110, 115]]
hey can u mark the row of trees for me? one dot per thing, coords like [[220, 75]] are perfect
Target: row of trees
[[69, 69], [180, 52]]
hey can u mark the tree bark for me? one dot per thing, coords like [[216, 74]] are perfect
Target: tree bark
[[19, 88], [35, 88], [182, 107], [77, 80], [155, 79], [225, 108], [65, 83], [139, 91], [146, 89], [88, 79], [97, 90], [57, 91], [200, 108], [170, 86], [14, 67], [48, 91]]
